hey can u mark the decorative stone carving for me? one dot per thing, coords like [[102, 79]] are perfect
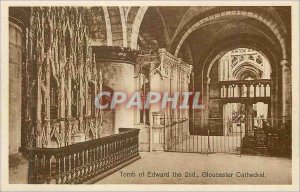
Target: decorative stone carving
[[148, 63], [161, 62], [58, 54]]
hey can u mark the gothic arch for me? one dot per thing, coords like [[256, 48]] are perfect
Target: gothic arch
[[123, 16], [247, 67], [134, 32], [108, 27], [141, 16], [251, 42]]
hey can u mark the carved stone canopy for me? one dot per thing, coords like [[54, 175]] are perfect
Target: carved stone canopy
[[146, 62]]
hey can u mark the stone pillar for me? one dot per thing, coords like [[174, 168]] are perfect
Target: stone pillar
[[286, 91], [158, 133], [156, 130], [18, 19], [15, 87], [117, 66]]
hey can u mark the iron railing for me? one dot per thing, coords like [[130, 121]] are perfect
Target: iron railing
[[182, 135], [188, 135]]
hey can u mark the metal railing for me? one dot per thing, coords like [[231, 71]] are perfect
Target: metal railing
[[183, 135], [189, 135]]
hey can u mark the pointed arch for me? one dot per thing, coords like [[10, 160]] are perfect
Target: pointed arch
[[108, 27], [136, 27]]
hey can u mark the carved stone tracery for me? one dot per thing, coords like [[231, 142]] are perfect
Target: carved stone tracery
[[58, 55], [161, 62]]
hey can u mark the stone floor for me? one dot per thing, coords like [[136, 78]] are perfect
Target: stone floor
[[18, 169], [275, 170]]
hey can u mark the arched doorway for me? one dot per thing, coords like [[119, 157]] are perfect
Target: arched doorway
[[248, 73], [201, 37], [240, 97]]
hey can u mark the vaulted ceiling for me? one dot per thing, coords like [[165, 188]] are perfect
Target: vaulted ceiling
[[193, 33]]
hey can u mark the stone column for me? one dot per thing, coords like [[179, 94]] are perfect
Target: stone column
[[158, 133], [117, 66], [286, 91], [15, 87], [18, 19], [156, 130]]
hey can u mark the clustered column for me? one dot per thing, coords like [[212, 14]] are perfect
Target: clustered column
[[286, 91]]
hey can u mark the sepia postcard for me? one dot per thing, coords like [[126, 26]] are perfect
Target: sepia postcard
[[149, 95]]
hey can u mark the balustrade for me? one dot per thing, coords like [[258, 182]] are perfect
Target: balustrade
[[245, 89], [84, 162]]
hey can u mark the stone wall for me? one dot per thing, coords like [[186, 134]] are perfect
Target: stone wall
[[18, 169], [97, 27]]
